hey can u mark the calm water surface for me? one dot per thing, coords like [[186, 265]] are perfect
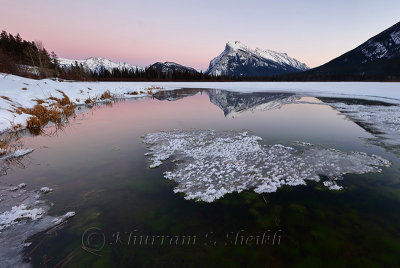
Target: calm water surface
[[98, 169]]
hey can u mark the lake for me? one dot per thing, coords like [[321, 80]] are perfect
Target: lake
[[127, 214]]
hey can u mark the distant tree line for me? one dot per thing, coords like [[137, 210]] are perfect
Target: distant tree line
[[79, 72]]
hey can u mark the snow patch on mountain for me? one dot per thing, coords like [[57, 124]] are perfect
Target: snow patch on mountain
[[282, 58], [396, 37], [374, 51], [382, 46]]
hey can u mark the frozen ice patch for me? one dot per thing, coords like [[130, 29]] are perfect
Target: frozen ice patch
[[19, 213], [22, 214], [46, 190], [210, 164], [63, 218], [383, 121], [16, 154], [332, 185]]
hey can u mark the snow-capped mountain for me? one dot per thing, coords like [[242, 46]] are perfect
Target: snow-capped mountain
[[239, 60], [378, 55], [98, 64], [169, 67]]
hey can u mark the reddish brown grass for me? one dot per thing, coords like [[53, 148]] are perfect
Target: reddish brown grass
[[150, 89], [88, 101], [106, 95], [5, 142], [57, 111]]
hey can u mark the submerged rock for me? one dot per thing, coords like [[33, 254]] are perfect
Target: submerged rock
[[210, 164]]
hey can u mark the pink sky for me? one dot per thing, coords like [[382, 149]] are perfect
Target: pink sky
[[193, 32]]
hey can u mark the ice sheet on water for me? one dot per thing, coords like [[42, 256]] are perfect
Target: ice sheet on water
[[18, 213], [210, 164], [22, 214], [16, 154], [383, 121]]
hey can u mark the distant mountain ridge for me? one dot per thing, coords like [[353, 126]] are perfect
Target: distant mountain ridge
[[169, 67], [98, 64], [239, 60]]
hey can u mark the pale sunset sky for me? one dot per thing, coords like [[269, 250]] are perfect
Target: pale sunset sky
[[193, 32]]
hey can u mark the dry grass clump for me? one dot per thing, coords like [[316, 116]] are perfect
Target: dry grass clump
[[8, 137], [155, 88], [150, 89], [106, 95], [5, 98], [33, 122], [64, 101], [40, 101], [41, 115], [44, 112], [88, 101], [5, 142]]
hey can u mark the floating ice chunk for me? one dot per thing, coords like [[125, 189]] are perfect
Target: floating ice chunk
[[16, 154], [332, 185], [22, 152], [46, 190], [61, 219], [19, 213], [210, 164], [26, 244]]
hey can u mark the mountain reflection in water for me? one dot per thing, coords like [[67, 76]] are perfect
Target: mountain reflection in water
[[231, 103]]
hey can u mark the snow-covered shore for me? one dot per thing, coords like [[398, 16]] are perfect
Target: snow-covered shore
[[17, 91]]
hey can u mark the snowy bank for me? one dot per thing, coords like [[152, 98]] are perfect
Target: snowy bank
[[17, 91]]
